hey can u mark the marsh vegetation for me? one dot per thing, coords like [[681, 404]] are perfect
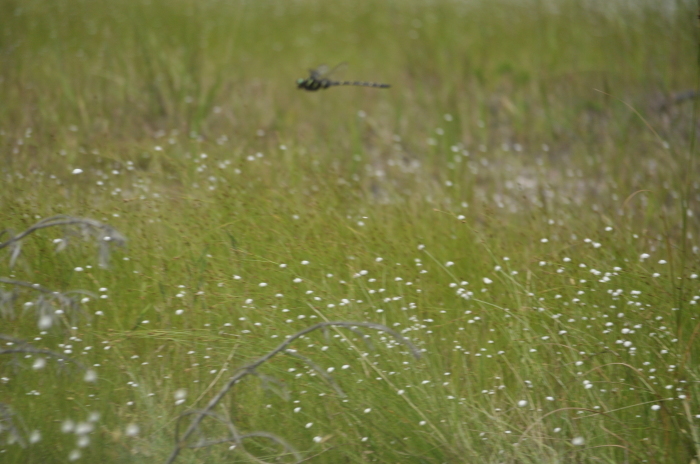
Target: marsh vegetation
[[521, 205]]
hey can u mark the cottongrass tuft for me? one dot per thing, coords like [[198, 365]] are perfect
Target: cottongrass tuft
[[132, 430], [45, 322], [83, 428], [83, 441], [180, 396], [39, 363], [67, 426], [34, 437], [90, 376]]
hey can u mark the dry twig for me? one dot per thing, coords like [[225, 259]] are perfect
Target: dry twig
[[250, 369]]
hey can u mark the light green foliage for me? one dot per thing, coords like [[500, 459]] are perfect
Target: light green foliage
[[528, 182]]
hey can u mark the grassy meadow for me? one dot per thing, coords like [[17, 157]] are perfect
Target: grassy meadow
[[522, 205]]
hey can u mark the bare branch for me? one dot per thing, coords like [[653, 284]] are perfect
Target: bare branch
[[20, 283], [235, 436], [319, 370], [7, 424], [364, 337], [276, 439], [267, 380], [7, 303], [43, 304], [47, 304], [25, 348], [104, 234], [181, 442]]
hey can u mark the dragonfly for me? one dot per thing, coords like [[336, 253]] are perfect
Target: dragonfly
[[318, 79]]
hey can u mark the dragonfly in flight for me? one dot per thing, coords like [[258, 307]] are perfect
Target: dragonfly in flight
[[318, 79]]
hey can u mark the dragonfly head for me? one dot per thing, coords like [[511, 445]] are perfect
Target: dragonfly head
[[300, 83]]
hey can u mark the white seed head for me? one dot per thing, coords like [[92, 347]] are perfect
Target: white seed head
[[45, 322], [34, 437], [132, 430], [39, 363], [67, 426], [90, 376]]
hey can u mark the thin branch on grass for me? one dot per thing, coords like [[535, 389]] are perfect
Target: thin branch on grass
[[309, 458], [7, 425], [7, 416], [104, 234], [68, 302], [250, 369], [364, 337], [274, 438], [25, 348], [7, 302], [235, 436], [319, 370], [49, 304], [268, 380]]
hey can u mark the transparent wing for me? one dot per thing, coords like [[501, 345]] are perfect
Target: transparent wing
[[339, 68], [324, 72], [319, 72]]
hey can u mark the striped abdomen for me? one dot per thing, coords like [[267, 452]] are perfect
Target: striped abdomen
[[362, 84]]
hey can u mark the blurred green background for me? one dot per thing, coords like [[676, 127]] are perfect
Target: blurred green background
[[522, 203]]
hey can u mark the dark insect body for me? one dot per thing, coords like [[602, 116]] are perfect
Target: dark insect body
[[317, 80]]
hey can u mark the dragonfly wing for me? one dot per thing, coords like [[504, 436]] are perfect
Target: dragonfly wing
[[319, 72], [337, 69], [324, 72]]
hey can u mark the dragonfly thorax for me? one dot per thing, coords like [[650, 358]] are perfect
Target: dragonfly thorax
[[312, 84]]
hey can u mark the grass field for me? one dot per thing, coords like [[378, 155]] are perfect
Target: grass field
[[522, 204]]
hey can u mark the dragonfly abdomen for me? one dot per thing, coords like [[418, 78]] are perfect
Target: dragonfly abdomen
[[363, 84]]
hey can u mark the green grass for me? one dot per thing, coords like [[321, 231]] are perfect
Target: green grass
[[521, 158]]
